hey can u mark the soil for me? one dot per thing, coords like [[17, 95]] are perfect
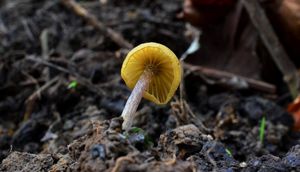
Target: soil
[[47, 126]]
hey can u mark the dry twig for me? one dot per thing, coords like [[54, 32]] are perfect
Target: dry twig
[[210, 159], [79, 78], [92, 20], [217, 74], [30, 102]]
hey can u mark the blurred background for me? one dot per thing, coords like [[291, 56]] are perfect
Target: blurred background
[[60, 64]]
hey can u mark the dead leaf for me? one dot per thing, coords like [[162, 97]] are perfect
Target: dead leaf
[[294, 109], [285, 18]]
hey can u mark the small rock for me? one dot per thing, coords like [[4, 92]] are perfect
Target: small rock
[[98, 150], [243, 164], [292, 158], [182, 140]]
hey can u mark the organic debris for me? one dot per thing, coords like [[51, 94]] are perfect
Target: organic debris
[[62, 94]]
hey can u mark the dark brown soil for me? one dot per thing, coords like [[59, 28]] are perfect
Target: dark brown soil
[[44, 46]]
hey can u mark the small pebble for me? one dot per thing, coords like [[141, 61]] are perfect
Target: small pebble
[[98, 150], [243, 164]]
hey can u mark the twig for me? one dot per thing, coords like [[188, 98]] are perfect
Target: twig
[[28, 30], [270, 40], [45, 49], [79, 78], [43, 88], [31, 78], [210, 159], [198, 122], [92, 20], [184, 115], [30, 102], [217, 74], [46, 63]]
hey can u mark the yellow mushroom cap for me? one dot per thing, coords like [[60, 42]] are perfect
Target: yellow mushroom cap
[[165, 66]]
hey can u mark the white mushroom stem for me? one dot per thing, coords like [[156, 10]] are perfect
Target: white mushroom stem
[[134, 99]]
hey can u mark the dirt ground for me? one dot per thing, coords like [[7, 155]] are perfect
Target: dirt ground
[[47, 126]]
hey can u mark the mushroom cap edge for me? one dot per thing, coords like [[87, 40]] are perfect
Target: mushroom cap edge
[[175, 65]]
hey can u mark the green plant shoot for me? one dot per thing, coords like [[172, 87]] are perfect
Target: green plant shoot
[[228, 152], [262, 129], [135, 131], [73, 85]]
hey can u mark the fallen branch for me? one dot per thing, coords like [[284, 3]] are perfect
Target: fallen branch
[[270, 40], [92, 20], [217, 74]]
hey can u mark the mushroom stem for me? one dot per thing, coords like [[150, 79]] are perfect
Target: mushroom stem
[[134, 99]]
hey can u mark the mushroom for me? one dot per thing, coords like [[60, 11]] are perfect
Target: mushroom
[[153, 71]]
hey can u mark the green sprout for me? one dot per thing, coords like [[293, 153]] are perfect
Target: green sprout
[[262, 129], [73, 85], [228, 152], [136, 135]]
